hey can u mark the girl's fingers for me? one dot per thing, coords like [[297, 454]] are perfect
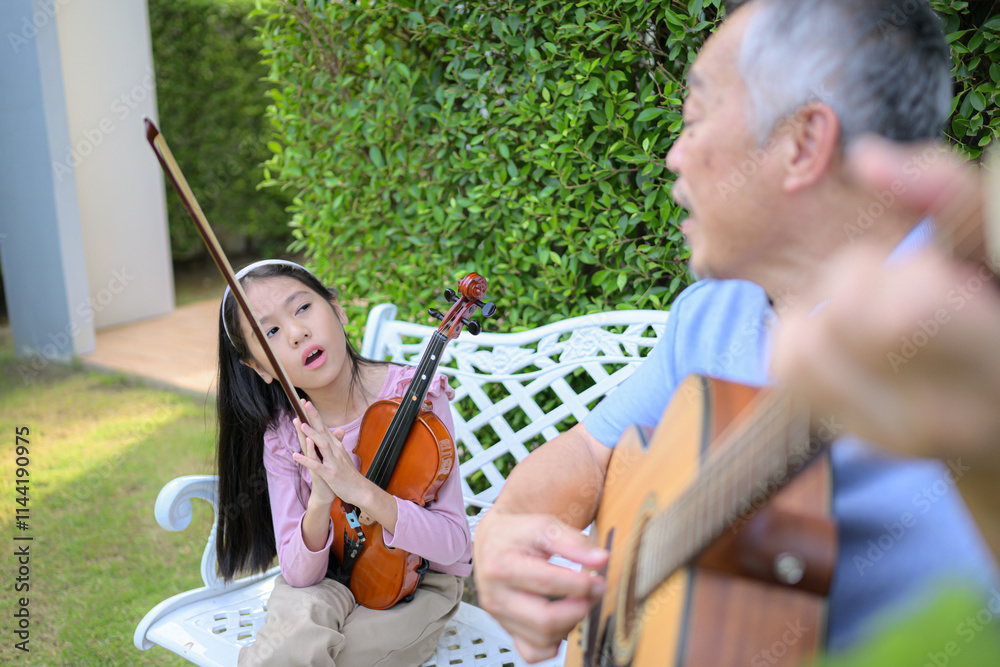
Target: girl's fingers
[[298, 432], [316, 436], [317, 450], [323, 446], [307, 444], [319, 446], [316, 425], [319, 443], [307, 461], [315, 420]]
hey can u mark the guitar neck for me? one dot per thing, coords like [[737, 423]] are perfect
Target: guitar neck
[[758, 458]]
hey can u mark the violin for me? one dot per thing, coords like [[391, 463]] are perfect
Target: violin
[[405, 449]]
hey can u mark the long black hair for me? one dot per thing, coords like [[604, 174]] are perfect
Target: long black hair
[[246, 407]]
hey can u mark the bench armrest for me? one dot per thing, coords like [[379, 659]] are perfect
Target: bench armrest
[[173, 512]]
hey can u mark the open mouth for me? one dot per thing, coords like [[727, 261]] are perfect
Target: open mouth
[[314, 357]]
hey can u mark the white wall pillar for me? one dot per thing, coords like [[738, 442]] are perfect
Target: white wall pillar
[[83, 225], [41, 245], [109, 82]]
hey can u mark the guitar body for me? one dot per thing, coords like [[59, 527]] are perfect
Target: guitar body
[[382, 576], [726, 607]]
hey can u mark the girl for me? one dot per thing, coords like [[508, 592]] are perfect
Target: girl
[[275, 493]]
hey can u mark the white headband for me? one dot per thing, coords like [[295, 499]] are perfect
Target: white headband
[[245, 270]]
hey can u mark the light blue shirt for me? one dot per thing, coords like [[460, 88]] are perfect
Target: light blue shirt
[[903, 526]]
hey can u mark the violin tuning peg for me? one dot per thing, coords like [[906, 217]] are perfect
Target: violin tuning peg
[[473, 326], [436, 314], [450, 295], [489, 308]]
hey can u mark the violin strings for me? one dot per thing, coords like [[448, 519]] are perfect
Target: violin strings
[[392, 443]]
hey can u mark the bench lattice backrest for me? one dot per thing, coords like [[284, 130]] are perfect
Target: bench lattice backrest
[[513, 392], [517, 391]]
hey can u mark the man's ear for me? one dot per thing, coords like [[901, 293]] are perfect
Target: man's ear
[[264, 375], [814, 136]]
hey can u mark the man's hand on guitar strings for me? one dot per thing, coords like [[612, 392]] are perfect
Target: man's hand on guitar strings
[[537, 602]]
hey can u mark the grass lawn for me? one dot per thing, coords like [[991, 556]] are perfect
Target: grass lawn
[[100, 448]]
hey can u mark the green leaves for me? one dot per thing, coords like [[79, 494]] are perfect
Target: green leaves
[[505, 138], [211, 101], [975, 43], [650, 114], [524, 141]]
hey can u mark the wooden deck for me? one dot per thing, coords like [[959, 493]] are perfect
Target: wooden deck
[[177, 350]]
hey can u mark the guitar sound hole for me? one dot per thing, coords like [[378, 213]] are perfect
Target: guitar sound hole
[[607, 657], [628, 614], [631, 612], [628, 617]]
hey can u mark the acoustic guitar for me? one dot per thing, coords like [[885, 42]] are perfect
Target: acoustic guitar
[[718, 522], [719, 529]]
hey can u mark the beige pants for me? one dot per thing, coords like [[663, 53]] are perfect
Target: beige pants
[[323, 625]]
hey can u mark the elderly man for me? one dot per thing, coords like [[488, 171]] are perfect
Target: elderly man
[[784, 85]]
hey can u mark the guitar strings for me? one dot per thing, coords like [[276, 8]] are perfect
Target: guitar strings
[[690, 523]]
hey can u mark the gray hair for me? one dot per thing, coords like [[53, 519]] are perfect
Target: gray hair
[[883, 66]]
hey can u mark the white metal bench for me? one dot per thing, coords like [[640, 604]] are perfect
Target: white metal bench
[[512, 392]]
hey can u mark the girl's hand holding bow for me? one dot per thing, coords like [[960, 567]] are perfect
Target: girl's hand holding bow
[[336, 474]]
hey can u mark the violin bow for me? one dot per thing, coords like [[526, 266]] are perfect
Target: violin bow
[[172, 170]]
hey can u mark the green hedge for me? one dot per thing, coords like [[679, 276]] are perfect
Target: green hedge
[[523, 140], [211, 99], [974, 33]]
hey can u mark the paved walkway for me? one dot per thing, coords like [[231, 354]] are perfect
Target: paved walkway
[[178, 350]]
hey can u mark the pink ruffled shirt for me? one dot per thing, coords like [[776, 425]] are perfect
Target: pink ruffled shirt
[[438, 532]]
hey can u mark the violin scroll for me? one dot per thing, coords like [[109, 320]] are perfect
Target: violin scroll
[[471, 290], [472, 286]]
